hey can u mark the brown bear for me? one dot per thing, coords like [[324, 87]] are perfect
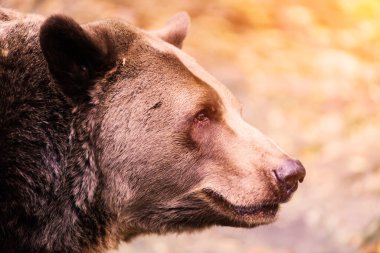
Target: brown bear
[[109, 131]]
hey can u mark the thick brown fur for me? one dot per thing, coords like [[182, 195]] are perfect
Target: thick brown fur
[[108, 132]]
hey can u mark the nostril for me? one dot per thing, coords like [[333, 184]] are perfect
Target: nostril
[[290, 173]]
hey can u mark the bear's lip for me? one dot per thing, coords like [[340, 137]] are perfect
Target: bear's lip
[[268, 209]]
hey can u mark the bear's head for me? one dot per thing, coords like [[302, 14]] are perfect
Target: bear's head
[[161, 143]]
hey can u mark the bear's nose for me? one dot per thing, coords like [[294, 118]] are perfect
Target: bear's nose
[[289, 174]]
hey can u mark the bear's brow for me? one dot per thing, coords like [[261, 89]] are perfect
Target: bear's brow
[[210, 97]]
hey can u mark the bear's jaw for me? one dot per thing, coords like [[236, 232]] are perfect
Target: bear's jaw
[[242, 215]]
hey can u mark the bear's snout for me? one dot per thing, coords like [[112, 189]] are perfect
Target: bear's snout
[[288, 175]]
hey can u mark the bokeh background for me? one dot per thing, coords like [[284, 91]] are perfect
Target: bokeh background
[[308, 75]]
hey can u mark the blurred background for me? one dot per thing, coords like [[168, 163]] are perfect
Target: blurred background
[[308, 75]]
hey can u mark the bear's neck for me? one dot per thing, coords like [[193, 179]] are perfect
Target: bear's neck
[[87, 221]]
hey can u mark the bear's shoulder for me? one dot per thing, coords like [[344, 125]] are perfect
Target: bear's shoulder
[[34, 119], [7, 15], [18, 33]]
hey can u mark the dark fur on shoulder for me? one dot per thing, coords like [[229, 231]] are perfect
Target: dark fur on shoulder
[[37, 212]]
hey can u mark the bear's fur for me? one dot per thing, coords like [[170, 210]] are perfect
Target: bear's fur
[[108, 131]]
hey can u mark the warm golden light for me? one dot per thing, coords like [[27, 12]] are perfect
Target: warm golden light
[[308, 75]]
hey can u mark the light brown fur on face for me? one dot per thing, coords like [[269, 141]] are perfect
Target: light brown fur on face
[[222, 161], [243, 159]]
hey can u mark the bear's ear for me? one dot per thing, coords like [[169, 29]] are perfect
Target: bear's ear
[[175, 30], [74, 57]]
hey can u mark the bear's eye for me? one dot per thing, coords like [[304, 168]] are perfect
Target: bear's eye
[[202, 117]]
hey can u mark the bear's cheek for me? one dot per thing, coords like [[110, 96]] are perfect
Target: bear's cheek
[[202, 132]]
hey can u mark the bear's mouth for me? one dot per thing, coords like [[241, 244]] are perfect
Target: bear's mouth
[[264, 211]]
